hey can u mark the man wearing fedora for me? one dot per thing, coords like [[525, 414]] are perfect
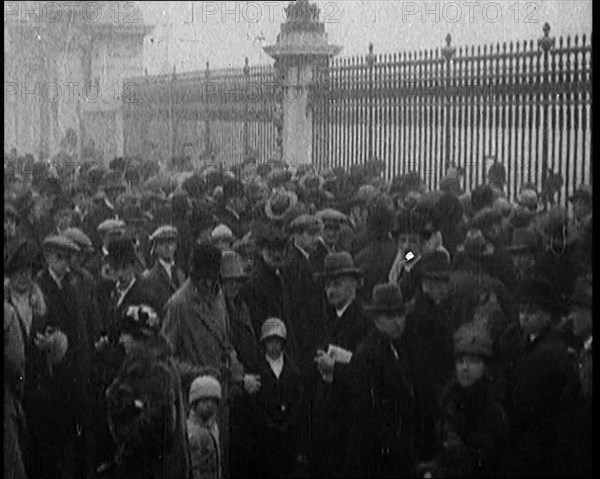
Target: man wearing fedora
[[545, 394], [346, 326], [382, 399]]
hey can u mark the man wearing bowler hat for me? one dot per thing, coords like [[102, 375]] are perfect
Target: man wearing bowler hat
[[115, 296], [196, 324], [382, 400], [346, 326]]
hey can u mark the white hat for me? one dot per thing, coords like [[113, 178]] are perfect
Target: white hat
[[273, 327], [205, 387], [221, 232]]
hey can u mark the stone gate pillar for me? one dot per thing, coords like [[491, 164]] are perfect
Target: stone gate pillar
[[301, 45]]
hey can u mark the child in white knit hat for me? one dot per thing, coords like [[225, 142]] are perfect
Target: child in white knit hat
[[202, 428]]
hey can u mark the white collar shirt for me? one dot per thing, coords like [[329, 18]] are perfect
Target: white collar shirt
[[276, 365]]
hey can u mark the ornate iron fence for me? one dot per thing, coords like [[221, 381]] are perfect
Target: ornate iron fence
[[224, 114], [528, 104]]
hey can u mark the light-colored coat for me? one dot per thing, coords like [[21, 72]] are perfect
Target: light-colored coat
[[197, 327]]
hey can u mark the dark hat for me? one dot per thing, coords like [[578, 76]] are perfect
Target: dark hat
[[473, 338], [280, 204], [474, 243], [486, 218], [62, 203], [582, 292], [340, 264], [583, 193], [268, 235], [539, 291], [278, 177], [10, 211], [556, 223], [497, 172], [306, 222], [380, 219], [60, 243], [435, 265], [113, 181], [206, 261], [387, 298], [121, 251], [311, 181], [140, 321], [26, 255]]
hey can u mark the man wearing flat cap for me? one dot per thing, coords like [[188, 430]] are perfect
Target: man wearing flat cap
[[62, 415], [196, 324], [381, 396], [108, 231], [345, 328], [165, 276]]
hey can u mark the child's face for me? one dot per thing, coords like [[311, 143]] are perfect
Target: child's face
[[469, 369], [274, 347], [205, 408]]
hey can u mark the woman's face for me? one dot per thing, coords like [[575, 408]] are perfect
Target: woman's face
[[469, 369], [21, 280], [205, 408]]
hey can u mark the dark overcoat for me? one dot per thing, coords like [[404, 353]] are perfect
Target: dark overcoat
[[306, 318], [266, 295], [277, 406], [476, 418], [428, 340], [380, 439], [147, 417], [331, 413], [162, 284], [375, 261], [546, 400]]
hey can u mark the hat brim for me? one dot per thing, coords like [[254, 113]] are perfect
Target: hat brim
[[375, 309], [287, 211], [521, 249], [354, 272], [240, 277], [438, 275]]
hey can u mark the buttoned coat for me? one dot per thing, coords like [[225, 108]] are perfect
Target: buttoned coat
[[162, 284], [380, 438], [546, 403], [331, 411]]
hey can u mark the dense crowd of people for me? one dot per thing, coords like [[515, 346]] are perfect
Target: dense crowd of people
[[271, 320]]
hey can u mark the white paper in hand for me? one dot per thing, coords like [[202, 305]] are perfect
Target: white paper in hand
[[339, 355]]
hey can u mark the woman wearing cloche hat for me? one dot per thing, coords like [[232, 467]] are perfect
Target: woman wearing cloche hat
[[472, 428]]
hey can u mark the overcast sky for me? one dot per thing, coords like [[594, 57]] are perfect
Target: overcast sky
[[226, 32]]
